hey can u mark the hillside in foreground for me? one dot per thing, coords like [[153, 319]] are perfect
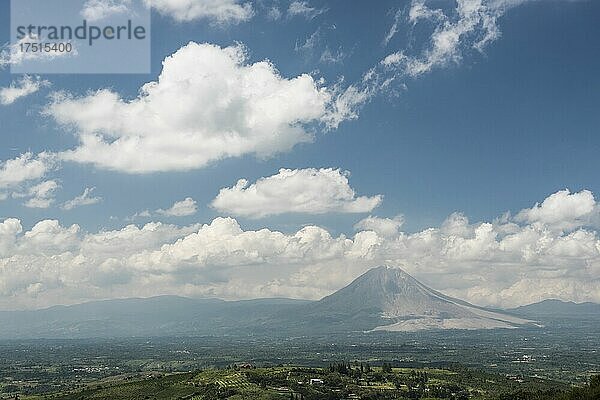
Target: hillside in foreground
[[338, 381]]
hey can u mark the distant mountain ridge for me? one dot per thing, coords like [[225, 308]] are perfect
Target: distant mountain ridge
[[558, 311], [141, 317], [382, 299]]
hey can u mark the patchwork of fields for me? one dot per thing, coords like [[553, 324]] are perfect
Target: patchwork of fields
[[338, 381]]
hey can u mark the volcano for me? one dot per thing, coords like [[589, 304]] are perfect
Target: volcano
[[389, 299], [382, 299]]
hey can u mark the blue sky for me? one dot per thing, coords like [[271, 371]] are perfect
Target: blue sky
[[496, 132], [481, 132]]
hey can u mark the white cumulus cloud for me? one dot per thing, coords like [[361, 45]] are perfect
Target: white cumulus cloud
[[208, 104], [383, 226], [311, 191], [24, 168], [562, 210], [505, 262]]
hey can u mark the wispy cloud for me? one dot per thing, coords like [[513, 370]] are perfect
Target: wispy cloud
[[216, 11], [84, 199], [181, 208], [304, 9], [309, 45], [96, 10], [21, 88], [274, 13], [332, 57], [11, 53], [41, 195], [394, 28], [472, 24], [24, 168], [23, 177]]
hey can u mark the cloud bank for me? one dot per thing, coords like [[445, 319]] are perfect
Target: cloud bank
[[505, 262]]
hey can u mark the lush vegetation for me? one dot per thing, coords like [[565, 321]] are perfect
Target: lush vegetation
[[336, 382], [590, 391]]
